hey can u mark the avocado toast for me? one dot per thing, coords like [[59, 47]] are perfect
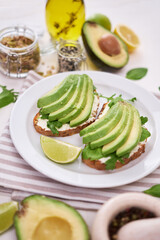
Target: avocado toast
[[116, 137], [67, 108]]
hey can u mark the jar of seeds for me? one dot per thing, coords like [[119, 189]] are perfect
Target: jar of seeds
[[70, 56]]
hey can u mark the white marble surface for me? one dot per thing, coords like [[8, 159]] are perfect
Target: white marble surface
[[141, 15]]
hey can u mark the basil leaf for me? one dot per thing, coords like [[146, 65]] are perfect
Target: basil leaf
[[143, 120], [7, 96], [136, 73], [154, 190], [53, 125], [145, 134]]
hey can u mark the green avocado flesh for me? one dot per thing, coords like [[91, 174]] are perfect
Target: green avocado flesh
[[70, 102], [92, 33], [43, 218], [106, 128], [134, 136], [85, 113], [70, 106], [60, 102], [120, 138], [101, 121], [57, 92], [80, 105], [114, 133]]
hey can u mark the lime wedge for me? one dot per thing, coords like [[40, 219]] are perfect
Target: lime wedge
[[58, 151], [7, 212]]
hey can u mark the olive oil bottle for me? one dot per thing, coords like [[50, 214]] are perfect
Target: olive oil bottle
[[64, 18]]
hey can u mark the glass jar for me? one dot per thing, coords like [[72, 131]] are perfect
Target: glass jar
[[70, 56], [19, 51]]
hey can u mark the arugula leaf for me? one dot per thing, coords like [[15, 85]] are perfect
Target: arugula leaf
[[136, 73], [44, 116], [143, 120], [132, 99], [145, 134], [94, 88], [113, 158], [7, 96], [53, 125], [154, 190], [92, 154], [115, 100], [159, 88]]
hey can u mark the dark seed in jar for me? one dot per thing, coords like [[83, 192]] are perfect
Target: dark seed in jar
[[125, 217], [68, 59]]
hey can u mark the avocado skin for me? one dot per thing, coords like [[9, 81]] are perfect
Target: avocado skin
[[42, 201], [97, 61]]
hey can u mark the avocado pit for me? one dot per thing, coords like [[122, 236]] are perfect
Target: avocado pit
[[109, 45]]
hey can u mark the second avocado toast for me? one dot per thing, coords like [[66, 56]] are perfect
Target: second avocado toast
[[111, 140]]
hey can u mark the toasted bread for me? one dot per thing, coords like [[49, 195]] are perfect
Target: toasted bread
[[65, 132], [100, 165]]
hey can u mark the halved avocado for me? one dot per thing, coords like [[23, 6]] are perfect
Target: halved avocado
[[43, 218], [92, 34]]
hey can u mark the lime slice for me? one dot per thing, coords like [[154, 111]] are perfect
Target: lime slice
[[128, 36], [7, 212], [58, 151]]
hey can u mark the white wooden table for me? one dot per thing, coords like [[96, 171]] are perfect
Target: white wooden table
[[141, 15]]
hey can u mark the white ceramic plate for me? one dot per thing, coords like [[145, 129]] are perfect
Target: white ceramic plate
[[27, 140]]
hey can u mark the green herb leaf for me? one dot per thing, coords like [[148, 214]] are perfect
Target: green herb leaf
[[154, 190], [44, 116], [7, 96], [94, 88], [92, 154], [145, 134], [159, 88], [115, 100], [143, 120], [113, 158], [132, 99], [136, 73], [54, 125]]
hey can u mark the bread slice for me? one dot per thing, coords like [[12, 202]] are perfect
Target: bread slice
[[135, 153], [40, 125]]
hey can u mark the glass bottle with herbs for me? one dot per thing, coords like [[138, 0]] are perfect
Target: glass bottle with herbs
[[64, 18]]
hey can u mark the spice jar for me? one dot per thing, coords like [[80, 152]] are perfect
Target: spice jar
[[19, 51], [70, 56]]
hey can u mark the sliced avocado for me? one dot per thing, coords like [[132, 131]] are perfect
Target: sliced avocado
[[114, 133], [134, 135], [92, 34], [43, 218], [58, 91], [122, 138], [60, 102], [106, 128], [80, 104], [85, 113], [101, 121], [70, 106]]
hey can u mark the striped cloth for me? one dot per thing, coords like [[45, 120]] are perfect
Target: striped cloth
[[16, 174]]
